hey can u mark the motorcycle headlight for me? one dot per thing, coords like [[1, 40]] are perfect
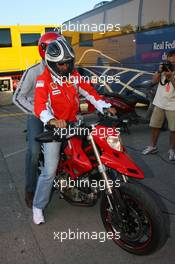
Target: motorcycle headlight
[[115, 143]]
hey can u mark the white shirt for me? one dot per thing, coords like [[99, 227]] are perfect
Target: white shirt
[[165, 96]]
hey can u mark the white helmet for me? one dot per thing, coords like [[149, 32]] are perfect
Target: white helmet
[[59, 52]]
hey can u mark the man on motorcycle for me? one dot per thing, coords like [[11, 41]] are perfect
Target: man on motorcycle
[[23, 98], [57, 102]]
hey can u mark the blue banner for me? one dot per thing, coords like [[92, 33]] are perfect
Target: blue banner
[[152, 45]]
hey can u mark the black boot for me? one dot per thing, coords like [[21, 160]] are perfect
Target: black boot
[[29, 199]]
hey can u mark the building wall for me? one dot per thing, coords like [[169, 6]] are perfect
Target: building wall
[[173, 11], [124, 14], [130, 14], [98, 19], [154, 11], [117, 48]]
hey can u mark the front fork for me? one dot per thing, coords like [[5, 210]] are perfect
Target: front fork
[[120, 209], [101, 167]]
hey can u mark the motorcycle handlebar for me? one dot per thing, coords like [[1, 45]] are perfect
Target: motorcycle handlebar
[[58, 134], [89, 119]]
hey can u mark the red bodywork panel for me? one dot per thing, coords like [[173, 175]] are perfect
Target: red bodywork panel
[[114, 159], [77, 162]]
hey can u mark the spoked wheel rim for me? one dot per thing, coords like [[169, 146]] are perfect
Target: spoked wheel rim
[[136, 231]]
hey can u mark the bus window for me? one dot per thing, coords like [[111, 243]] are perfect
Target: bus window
[[5, 85], [29, 39], [5, 38], [86, 40], [52, 29]]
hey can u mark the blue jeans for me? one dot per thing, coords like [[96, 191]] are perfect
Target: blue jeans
[[34, 127], [45, 181]]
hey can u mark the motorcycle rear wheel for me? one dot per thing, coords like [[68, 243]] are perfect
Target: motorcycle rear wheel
[[143, 232]]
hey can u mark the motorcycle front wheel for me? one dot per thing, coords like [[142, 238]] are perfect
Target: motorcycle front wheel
[[142, 230]]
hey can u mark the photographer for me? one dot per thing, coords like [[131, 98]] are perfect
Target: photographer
[[164, 103]]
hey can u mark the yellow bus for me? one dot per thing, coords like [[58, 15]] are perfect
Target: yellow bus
[[19, 50], [18, 46]]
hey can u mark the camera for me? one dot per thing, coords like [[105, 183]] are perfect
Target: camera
[[167, 66]]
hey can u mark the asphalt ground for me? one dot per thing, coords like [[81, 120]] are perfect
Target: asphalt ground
[[22, 242]]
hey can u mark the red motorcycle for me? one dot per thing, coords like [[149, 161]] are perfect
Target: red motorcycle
[[92, 154]]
